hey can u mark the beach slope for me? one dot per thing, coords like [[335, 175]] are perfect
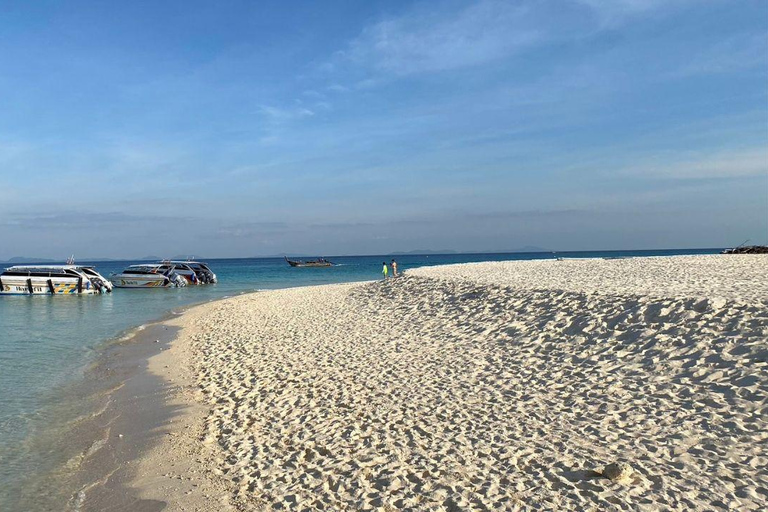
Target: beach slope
[[483, 386]]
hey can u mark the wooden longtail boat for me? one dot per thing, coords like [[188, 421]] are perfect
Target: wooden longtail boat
[[320, 262]]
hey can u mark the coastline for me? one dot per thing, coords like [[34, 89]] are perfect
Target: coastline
[[225, 450], [130, 424], [105, 418], [173, 453], [114, 401]]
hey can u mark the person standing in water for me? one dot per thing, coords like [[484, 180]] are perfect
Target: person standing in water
[[394, 268], [385, 270]]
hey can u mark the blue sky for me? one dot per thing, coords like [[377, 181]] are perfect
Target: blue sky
[[229, 128]]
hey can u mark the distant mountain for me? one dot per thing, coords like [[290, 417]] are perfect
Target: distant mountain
[[527, 248], [175, 257], [293, 255], [421, 252], [183, 257], [18, 260], [531, 248]]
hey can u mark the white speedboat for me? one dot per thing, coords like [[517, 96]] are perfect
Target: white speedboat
[[196, 272], [52, 280], [151, 275]]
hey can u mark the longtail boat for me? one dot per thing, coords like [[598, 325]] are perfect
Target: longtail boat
[[320, 262]]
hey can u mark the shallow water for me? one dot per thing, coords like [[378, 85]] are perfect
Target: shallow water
[[47, 343]]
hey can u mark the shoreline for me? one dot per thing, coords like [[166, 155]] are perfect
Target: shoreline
[[92, 412], [252, 444], [98, 389], [112, 402], [167, 459], [135, 416], [148, 402]]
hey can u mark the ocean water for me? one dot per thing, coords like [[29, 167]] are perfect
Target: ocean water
[[47, 343]]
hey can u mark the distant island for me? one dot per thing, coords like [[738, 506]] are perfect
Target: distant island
[[421, 252], [176, 257], [20, 260], [531, 248]]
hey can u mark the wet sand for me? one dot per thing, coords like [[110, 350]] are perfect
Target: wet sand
[[473, 387], [131, 423], [106, 420]]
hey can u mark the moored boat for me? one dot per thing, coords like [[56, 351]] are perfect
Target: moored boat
[[320, 262], [195, 272], [149, 275], [52, 280]]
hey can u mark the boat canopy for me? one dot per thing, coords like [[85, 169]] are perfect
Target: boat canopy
[[146, 268], [50, 267], [48, 270]]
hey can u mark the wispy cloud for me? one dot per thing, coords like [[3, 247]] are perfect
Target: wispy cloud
[[337, 88], [285, 114], [433, 41], [89, 220], [735, 53], [527, 214], [244, 230], [438, 39], [613, 13], [698, 166]]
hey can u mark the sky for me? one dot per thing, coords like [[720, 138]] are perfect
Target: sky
[[237, 129]]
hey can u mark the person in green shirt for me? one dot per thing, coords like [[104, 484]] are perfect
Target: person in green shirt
[[385, 270]]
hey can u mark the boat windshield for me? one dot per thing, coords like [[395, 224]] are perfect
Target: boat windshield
[[41, 272], [145, 269]]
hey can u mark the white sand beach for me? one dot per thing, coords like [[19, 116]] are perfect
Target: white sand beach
[[487, 386]]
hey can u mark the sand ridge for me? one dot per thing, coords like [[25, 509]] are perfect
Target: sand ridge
[[466, 393], [737, 277]]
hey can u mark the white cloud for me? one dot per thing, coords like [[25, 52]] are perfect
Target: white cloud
[[733, 54], [724, 164], [311, 93], [612, 13], [434, 37], [337, 88], [434, 41], [279, 114]]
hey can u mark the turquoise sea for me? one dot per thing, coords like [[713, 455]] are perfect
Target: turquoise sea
[[47, 343]]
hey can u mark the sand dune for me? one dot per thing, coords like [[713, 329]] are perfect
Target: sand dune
[[710, 276], [492, 386]]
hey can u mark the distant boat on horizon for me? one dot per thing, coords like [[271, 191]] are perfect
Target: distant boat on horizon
[[319, 262]]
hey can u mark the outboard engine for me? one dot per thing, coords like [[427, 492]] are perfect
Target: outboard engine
[[101, 286], [177, 279]]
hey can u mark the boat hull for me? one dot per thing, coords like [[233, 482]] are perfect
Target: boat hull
[[190, 275], [309, 264], [129, 281], [45, 286]]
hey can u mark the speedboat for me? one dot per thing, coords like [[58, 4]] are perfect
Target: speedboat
[[149, 275], [195, 272], [52, 280]]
